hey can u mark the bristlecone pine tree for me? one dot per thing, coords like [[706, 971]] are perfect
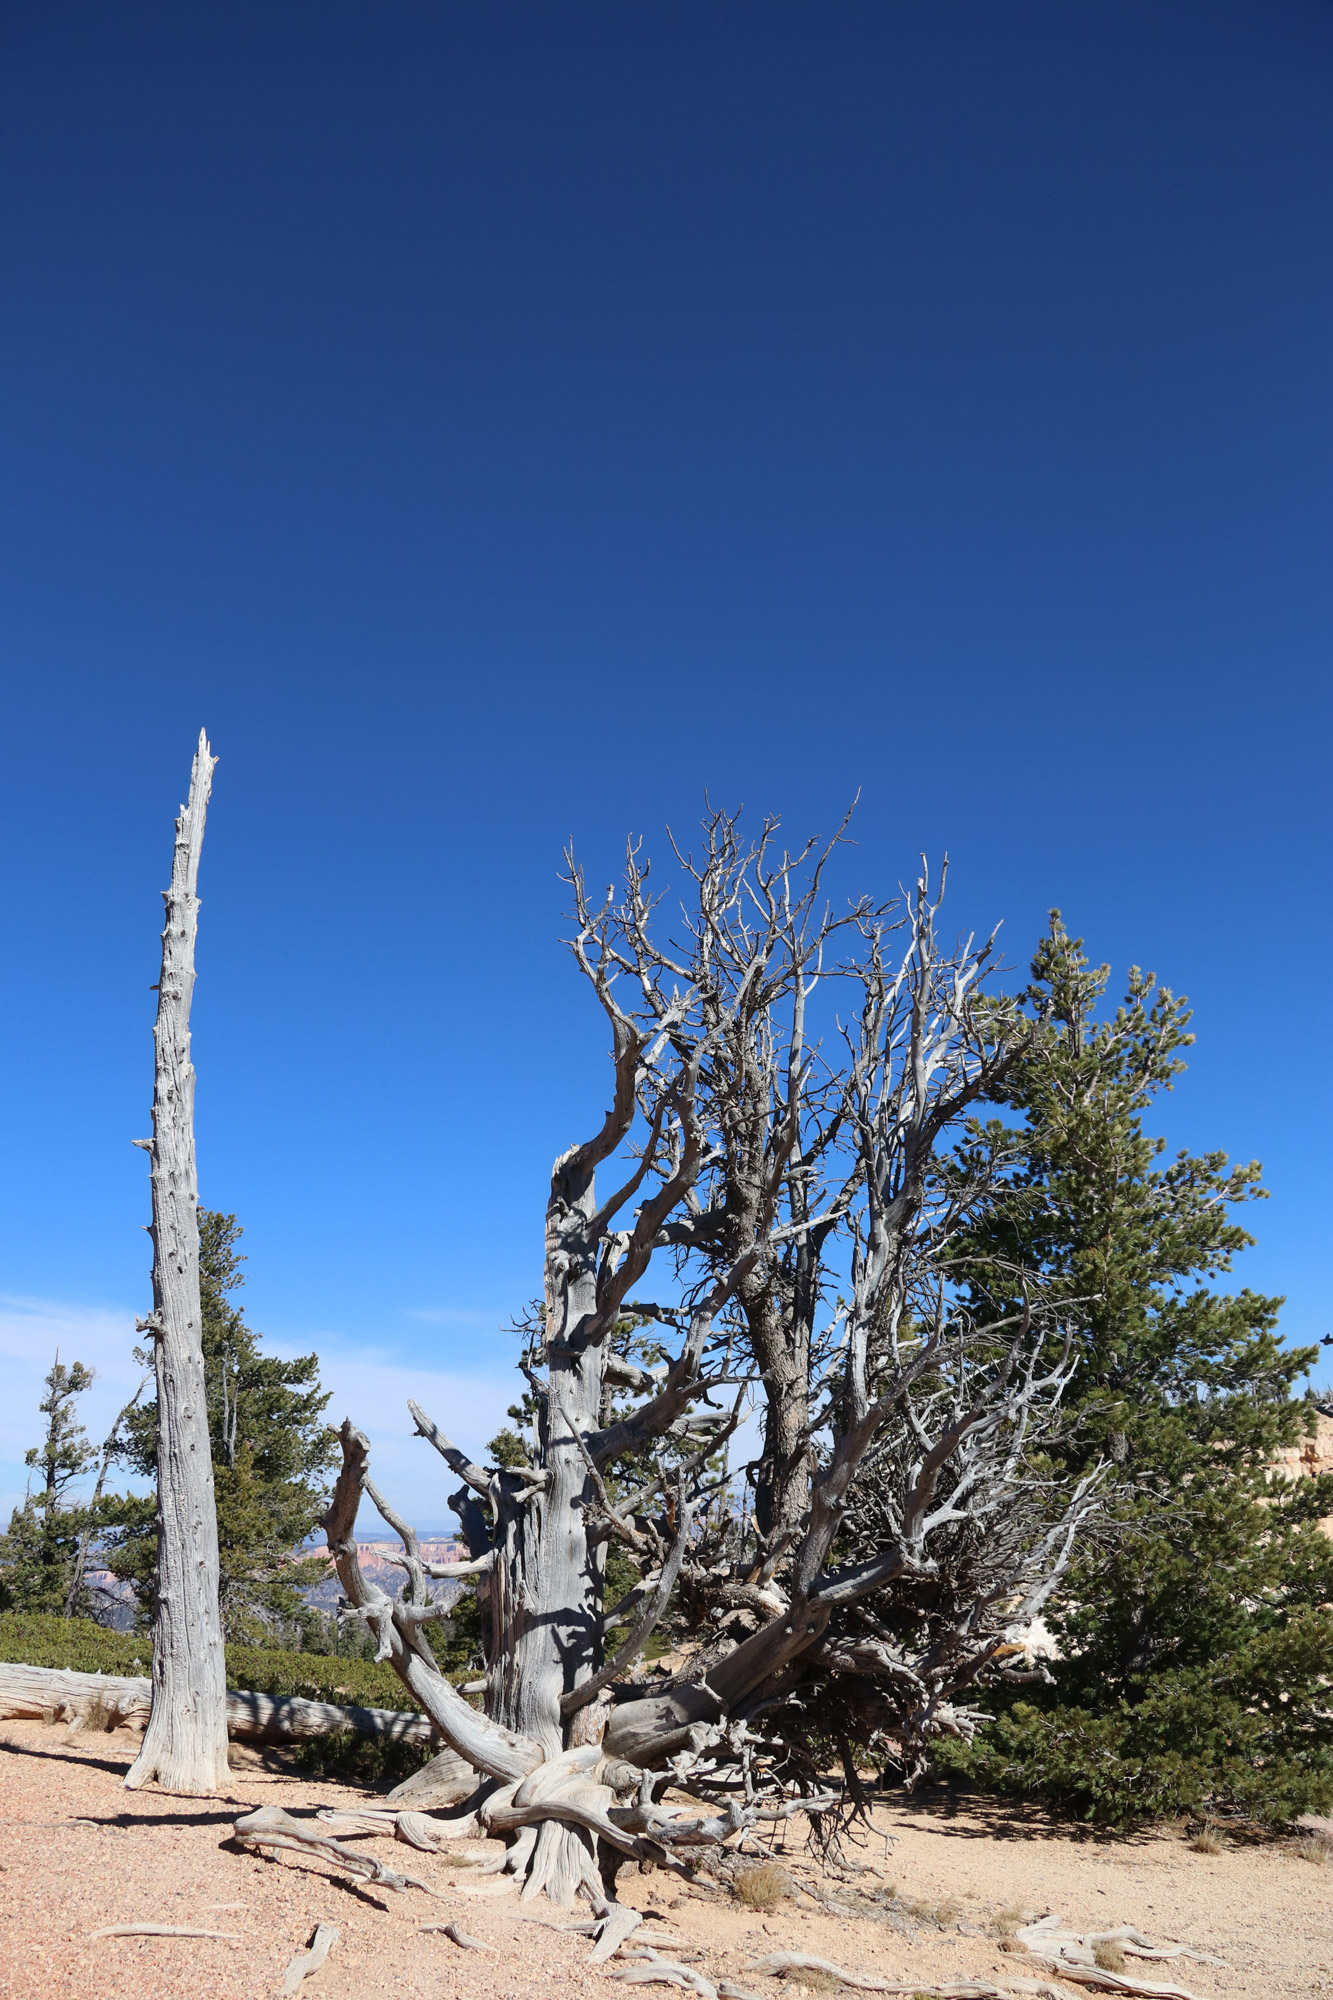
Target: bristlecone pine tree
[[761, 1212]]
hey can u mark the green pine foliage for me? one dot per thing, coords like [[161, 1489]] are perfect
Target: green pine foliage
[[272, 1453], [39, 1554], [1196, 1636]]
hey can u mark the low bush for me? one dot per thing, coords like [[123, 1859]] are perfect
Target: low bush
[[358, 1760], [1248, 1736], [45, 1640]]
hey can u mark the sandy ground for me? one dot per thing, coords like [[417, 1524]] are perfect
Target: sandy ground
[[79, 1851]]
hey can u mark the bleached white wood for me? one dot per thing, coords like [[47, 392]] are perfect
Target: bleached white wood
[[162, 1930], [60, 1694], [301, 1967], [185, 1745]]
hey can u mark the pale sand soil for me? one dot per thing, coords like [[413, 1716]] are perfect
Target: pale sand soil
[[78, 1851]]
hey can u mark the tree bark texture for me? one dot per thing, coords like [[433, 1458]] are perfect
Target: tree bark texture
[[546, 1586], [185, 1745]]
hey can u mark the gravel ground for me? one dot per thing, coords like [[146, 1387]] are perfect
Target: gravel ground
[[79, 1852]]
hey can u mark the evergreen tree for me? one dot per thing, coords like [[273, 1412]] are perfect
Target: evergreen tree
[[271, 1449], [1195, 1632], [40, 1553]]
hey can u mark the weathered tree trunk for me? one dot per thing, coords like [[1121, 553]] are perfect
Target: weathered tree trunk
[[185, 1746], [546, 1593]]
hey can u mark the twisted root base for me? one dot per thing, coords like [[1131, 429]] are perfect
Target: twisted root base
[[558, 1861]]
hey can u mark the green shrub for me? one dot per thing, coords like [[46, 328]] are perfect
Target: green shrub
[[1248, 1736], [358, 1760], [317, 1677], [45, 1640]]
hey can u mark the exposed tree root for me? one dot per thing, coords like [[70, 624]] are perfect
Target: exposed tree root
[[615, 1927], [802, 1961], [1116, 1982], [270, 1828]]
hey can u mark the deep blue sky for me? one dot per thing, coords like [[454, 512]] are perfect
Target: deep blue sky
[[500, 423]]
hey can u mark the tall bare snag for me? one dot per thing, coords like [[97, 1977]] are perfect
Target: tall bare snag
[[185, 1745]]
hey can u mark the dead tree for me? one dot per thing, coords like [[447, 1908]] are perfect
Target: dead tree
[[185, 1745], [803, 1235]]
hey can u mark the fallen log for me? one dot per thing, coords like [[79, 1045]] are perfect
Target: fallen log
[[59, 1694]]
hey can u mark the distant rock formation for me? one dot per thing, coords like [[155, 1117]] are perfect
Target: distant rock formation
[[1312, 1455]]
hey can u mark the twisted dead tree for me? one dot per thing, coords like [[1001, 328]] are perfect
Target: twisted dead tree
[[185, 1744], [799, 1229]]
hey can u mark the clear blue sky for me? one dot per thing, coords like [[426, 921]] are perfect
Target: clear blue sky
[[500, 423]]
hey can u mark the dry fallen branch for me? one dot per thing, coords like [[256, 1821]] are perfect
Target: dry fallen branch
[[1046, 1934], [306, 1962], [162, 1930], [802, 1961], [458, 1937], [270, 1827], [1074, 1955], [654, 1970]]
